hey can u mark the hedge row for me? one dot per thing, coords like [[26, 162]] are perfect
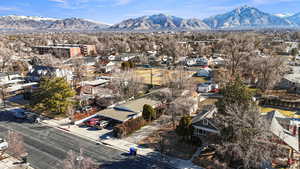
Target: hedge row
[[133, 125], [129, 127]]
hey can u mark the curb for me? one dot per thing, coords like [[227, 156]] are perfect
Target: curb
[[105, 144]]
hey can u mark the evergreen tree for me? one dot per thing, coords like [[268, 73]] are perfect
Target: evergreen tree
[[234, 92], [185, 128], [54, 96], [149, 113]]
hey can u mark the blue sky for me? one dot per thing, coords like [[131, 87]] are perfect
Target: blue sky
[[113, 11]]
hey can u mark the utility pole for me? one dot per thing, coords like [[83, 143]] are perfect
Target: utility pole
[[151, 78]]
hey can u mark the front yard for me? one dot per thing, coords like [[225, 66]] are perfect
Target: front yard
[[172, 145]]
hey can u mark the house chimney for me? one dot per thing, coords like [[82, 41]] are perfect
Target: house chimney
[[294, 130]]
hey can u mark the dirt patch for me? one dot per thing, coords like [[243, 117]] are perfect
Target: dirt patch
[[155, 76], [173, 146]]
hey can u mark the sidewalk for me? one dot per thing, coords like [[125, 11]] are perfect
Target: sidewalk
[[175, 162], [12, 163], [119, 144]]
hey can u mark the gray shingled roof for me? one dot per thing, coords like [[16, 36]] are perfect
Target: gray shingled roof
[[274, 118], [127, 110]]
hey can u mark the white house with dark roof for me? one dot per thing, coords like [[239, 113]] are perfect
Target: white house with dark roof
[[291, 81], [284, 128], [204, 124]]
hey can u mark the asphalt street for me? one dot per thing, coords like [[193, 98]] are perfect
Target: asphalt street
[[47, 147]]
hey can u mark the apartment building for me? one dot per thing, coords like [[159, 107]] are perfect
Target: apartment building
[[66, 50]]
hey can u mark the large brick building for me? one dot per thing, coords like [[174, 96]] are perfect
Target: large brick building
[[67, 50]]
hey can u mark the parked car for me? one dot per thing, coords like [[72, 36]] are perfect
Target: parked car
[[3, 144], [102, 124], [92, 122], [20, 115], [87, 108]]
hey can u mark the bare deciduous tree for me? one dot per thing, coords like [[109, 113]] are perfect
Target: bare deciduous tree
[[78, 161], [237, 50], [245, 137], [127, 84], [269, 70]]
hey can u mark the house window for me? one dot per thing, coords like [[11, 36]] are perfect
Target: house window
[[199, 132], [205, 122]]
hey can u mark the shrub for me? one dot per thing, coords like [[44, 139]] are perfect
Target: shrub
[[149, 113], [159, 112], [129, 127], [131, 64], [125, 65]]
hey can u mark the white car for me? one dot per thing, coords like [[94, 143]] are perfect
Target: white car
[[102, 124], [3, 144]]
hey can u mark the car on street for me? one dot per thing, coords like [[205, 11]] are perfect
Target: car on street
[[3, 144]]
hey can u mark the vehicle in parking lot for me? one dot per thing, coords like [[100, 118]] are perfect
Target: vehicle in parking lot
[[3, 144]]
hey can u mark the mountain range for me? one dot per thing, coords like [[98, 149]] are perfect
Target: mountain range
[[161, 22], [30, 23], [244, 17]]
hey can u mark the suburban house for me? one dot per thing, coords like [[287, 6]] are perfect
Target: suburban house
[[124, 111], [204, 126], [204, 72], [4, 77], [218, 61], [90, 87], [37, 72], [207, 87], [122, 57], [197, 61], [285, 130], [106, 66], [187, 104], [291, 81]]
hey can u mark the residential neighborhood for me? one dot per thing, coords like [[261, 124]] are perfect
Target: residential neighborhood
[[154, 92]]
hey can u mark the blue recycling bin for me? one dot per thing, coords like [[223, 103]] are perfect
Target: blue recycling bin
[[132, 151]]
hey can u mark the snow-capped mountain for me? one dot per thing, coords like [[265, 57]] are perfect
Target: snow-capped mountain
[[75, 24], [18, 18], [160, 22], [283, 15], [25, 23], [295, 18], [247, 17]]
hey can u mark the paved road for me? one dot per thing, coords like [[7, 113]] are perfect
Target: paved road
[[47, 147]]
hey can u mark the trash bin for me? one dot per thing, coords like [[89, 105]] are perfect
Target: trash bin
[[24, 159], [133, 151]]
